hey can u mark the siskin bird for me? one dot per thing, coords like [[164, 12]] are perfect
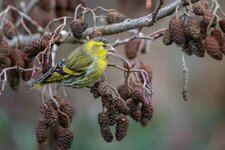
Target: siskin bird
[[81, 68]]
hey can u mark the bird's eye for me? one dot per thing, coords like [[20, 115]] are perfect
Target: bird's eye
[[104, 46]]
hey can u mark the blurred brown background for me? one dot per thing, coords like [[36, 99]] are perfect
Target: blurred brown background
[[198, 124]]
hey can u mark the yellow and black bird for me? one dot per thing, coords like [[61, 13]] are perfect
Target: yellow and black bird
[[81, 68]]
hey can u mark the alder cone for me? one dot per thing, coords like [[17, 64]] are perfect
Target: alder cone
[[4, 48], [5, 62], [41, 132], [177, 29], [223, 46], [103, 120], [125, 91], [14, 79], [120, 105], [187, 49], [50, 116], [135, 109], [115, 17], [147, 68], [200, 7], [167, 37], [193, 27], [65, 139], [106, 134], [78, 27], [26, 75], [196, 48], [131, 48], [138, 94], [47, 5], [222, 25], [66, 108], [208, 17], [61, 4], [17, 57], [121, 127], [34, 48], [146, 113], [212, 47], [72, 4], [95, 34], [217, 34], [9, 30]]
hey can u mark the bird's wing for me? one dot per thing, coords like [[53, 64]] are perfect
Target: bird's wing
[[66, 68]]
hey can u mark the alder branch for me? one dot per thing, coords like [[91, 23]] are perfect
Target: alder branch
[[145, 21]]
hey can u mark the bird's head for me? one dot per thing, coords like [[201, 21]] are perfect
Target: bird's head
[[98, 47]]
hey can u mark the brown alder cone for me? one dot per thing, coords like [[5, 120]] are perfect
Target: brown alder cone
[[72, 4], [41, 132], [146, 113], [13, 79], [200, 7], [65, 139], [9, 30], [196, 48], [208, 17], [135, 109], [203, 28], [131, 48], [50, 116], [115, 17], [187, 49], [193, 27], [34, 48], [217, 34], [78, 27], [106, 134], [66, 108], [112, 117], [138, 94], [167, 37], [222, 25], [147, 68], [121, 127], [212, 47], [61, 4], [4, 48], [47, 5], [17, 57], [120, 105], [95, 34], [5, 62], [106, 100], [177, 29], [103, 120], [26, 75], [125, 91], [148, 4], [223, 46]]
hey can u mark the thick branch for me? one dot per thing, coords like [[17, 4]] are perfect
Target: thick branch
[[126, 25], [145, 21]]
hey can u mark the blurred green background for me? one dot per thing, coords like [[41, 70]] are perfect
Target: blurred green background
[[198, 124]]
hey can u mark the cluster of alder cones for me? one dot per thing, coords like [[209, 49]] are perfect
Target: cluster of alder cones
[[55, 124], [78, 26], [24, 56], [197, 32], [127, 100], [13, 56]]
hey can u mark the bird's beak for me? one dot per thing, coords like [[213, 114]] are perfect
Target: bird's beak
[[112, 49]]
